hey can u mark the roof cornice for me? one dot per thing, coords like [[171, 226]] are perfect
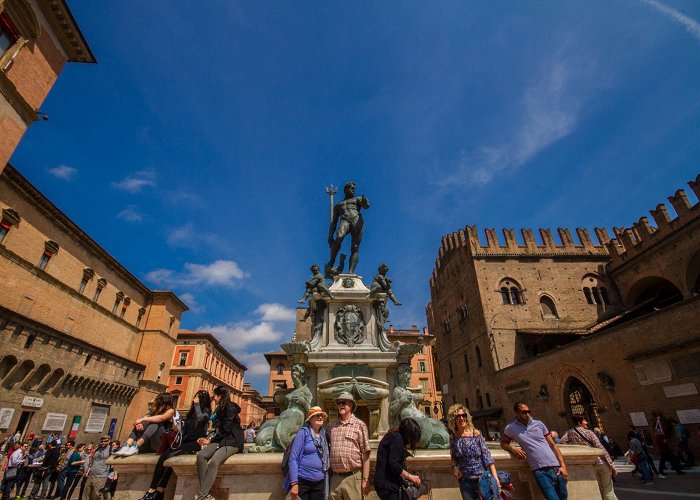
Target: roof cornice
[[67, 30]]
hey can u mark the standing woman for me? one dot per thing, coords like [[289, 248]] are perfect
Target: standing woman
[[309, 459], [195, 427], [470, 455], [227, 441], [391, 459]]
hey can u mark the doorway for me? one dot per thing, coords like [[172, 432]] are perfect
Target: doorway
[[24, 420], [580, 401]]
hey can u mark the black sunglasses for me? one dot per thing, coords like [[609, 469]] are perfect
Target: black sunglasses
[[524, 412]]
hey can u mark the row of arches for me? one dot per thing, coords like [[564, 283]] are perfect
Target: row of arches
[[25, 375]]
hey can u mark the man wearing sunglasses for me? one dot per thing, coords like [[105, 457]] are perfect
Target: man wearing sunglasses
[[539, 449]]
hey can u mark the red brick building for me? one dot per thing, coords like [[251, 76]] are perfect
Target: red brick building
[[37, 39], [606, 329]]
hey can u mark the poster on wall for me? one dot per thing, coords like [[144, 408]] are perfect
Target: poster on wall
[[689, 416], [55, 422], [639, 419], [6, 417], [96, 420]]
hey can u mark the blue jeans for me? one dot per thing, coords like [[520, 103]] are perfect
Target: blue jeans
[[469, 488], [645, 468], [552, 485]]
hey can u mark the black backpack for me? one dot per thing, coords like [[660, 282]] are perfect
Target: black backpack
[[285, 457]]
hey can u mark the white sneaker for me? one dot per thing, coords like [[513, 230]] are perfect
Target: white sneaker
[[661, 476], [120, 452], [648, 483], [132, 450]]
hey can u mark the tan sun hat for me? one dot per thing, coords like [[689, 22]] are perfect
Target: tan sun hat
[[316, 410], [347, 396]]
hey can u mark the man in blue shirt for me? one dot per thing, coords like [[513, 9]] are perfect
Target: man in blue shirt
[[539, 449]]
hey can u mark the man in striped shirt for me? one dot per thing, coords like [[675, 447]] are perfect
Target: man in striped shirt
[[349, 443], [604, 466]]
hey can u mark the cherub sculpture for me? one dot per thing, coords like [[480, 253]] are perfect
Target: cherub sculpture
[[317, 283], [382, 284]]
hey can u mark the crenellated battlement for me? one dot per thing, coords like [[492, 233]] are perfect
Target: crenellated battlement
[[626, 244], [630, 242], [468, 238]]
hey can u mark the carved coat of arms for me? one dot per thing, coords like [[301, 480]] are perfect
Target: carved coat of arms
[[350, 326]]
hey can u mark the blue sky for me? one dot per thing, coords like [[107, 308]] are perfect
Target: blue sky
[[197, 150]]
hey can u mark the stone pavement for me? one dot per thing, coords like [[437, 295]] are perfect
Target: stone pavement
[[673, 487]]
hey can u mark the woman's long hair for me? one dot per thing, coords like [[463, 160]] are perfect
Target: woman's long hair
[[162, 403], [204, 405], [410, 433], [451, 424], [225, 394]]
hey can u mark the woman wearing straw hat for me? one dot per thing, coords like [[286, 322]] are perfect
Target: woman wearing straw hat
[[309, 459]]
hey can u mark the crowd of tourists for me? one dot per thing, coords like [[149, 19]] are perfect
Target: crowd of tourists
[[325, 460], [57, 468], [639, 453]]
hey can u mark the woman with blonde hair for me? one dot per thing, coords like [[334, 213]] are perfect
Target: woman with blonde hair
[[471, 458]]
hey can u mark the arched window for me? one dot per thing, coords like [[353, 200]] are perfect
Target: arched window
[[478, 357], [594, 290], [479, 399], [549, 309], [511, 292]]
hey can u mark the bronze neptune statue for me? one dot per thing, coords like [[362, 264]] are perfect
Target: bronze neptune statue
[[346, 219]]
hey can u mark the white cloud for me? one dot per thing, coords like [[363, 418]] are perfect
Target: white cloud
[[255, 362], [130, 214], [548, 110], [276, 312], [237, 336], [191, 302], [691, 25], [219, 273], [138, 181], [63, 172], [188, 236]]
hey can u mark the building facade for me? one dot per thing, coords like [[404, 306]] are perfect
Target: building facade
[[199, 362], [37, 39], [605, 329], [84, 342], [252, 411]]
